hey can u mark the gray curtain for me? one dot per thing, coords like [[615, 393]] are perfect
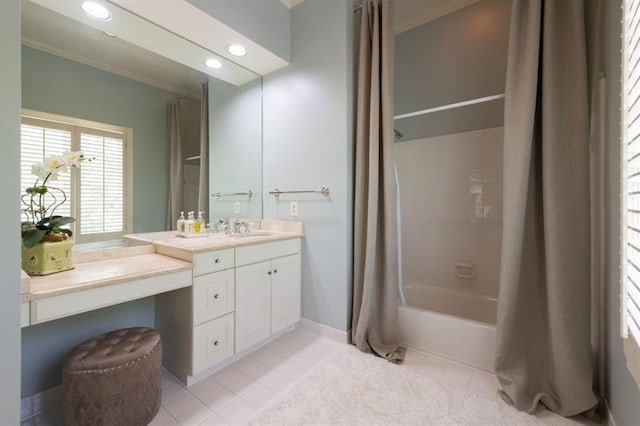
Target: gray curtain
[[203, 186], [176, 192], [544, 352], [375, 286]]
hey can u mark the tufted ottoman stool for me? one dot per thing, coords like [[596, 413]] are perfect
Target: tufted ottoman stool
[[114, 379]]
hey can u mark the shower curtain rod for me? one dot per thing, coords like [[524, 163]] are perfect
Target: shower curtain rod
[[450, 106]]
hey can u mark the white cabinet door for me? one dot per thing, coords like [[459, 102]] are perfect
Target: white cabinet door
[[253, 304], [285, 292]]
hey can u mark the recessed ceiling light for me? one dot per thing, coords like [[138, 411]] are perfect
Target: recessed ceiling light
[[213, 63], [236, 50], [96, 10]]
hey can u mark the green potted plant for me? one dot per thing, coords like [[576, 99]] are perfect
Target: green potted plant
[[46, 245]]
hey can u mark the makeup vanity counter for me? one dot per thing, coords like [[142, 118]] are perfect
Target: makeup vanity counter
[[102, 278]]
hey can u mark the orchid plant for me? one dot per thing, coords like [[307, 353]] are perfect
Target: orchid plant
[[40, 201]]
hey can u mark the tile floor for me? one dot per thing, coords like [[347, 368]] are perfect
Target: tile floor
[[237, 393]]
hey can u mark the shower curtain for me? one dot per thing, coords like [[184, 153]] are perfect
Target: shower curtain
[[176, 172], [375, 287], [203, 186], [176, 198], [544, 348]]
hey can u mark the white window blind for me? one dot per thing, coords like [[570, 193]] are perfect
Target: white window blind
[[630, 296], [38, 142], [96, 193], [102, 184]]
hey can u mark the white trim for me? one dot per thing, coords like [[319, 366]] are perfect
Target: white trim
[[339, 336]]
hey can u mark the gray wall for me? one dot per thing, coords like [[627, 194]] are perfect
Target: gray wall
[[57, 85], [307, 141], [45, 346], [622, 391], [458, 57], [9, 211], [266, 22], [235, 140]]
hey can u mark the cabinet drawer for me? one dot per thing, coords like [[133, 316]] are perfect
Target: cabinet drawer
[[213, 295], [260, 252], [212, 261], [212, 343]]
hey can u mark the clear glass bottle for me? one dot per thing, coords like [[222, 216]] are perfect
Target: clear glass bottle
[[181, 224], [189, 223]]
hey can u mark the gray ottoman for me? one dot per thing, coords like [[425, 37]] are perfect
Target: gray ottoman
[[114, 379]]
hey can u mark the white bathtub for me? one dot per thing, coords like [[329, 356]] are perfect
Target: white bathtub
[[425, 326]]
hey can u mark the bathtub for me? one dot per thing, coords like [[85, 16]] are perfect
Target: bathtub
[[452, 324]]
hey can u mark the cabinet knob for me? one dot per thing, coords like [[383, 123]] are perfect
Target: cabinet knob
[[275, 271], [216, 296], [217, 260], [216, 343], [269, 272]]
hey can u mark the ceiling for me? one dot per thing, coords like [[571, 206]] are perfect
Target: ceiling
[[127, 45], [45, 30]]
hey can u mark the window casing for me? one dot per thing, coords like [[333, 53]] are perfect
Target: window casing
[[99, 193], [630, 186]]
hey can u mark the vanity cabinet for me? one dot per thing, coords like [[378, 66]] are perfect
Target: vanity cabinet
[[240, 297]]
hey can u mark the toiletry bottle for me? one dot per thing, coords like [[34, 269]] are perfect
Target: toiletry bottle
[[189, 225], [181, 224], [197, 225]]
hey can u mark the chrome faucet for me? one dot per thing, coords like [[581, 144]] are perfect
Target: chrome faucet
[[223, 226], [240, 227]]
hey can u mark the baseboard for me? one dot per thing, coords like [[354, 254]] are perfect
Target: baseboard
[[44, 404], [339, 336], [610, 421]]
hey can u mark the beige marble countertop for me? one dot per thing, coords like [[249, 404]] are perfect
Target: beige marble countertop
[[103, 269], [277, 230]]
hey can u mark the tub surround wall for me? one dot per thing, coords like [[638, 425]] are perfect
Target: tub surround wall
[[457, 218]]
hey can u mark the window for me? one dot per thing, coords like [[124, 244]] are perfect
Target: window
[[99, 192], [630, 185]]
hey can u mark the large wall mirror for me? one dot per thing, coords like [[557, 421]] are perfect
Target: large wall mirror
[[86, 81]]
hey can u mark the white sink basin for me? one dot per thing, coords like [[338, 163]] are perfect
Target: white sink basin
[[252, 234]]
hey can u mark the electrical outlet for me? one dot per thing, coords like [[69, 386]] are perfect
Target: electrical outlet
[[293, 208], [236, 207]]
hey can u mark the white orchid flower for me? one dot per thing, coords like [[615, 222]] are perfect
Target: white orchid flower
[[72, 158], [39, 171], [54, 165]]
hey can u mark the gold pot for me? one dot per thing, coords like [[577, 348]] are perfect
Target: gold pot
[[47, 258]]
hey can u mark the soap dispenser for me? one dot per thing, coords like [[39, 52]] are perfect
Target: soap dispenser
[[181, 225], [189, 223], [198, 224]]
